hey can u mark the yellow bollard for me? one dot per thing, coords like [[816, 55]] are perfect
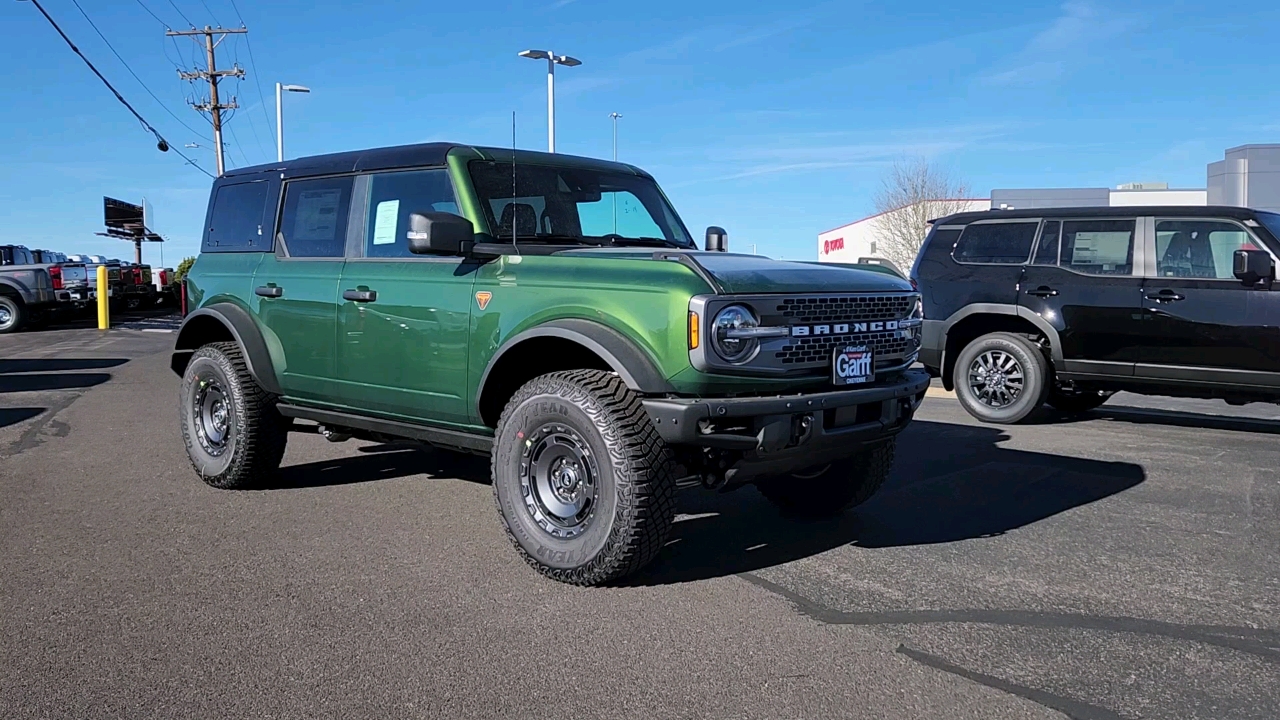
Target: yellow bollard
[[104, 298]]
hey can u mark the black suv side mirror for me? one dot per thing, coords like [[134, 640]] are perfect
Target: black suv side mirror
[[717, 240], [1250, 266], [437, 233]]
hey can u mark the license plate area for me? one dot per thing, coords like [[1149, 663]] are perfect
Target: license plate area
[[853, 365]]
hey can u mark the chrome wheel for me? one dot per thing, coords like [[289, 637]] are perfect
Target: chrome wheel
[[559, 480], [211, 412], [996, 379], [6, 317]]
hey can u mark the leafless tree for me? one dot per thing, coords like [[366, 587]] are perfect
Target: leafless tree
[[913, 192]]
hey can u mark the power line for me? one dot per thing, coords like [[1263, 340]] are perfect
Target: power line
[[134, 74], [157, 17], [181, 15], [262, 99], [235, 59], [206, 7], [162, 144]]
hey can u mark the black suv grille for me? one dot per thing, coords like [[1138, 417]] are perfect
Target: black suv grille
[[847, 308], [890, 347]]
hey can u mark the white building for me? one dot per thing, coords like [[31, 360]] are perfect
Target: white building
[[847, 243], [1248, 176]]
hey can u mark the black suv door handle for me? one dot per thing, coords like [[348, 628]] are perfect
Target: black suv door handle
[[360, 295], [1043, 291], [1165, 296], [268, 291]]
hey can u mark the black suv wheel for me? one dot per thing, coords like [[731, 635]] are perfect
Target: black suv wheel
[[831, 489], [233, 433], [1001, 378], [11, 314], [584, 485]]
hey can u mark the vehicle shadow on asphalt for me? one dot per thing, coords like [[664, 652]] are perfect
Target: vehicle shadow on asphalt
[[37, 374], [1170, 418], [13, 416], [950, 483], [381, 462]]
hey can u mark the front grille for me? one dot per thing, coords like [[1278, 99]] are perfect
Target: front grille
[[890, 347], [846, 308]]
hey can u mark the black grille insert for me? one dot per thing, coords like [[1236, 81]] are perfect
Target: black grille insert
[[847, 308]]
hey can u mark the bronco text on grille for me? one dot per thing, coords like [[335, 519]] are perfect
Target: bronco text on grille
[[820, 324]]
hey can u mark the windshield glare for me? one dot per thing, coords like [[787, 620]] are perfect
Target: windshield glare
[[574, 205]]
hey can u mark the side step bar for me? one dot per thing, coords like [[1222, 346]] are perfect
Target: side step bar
[[451, 439]]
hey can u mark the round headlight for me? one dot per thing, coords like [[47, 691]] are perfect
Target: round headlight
[[726, 337]]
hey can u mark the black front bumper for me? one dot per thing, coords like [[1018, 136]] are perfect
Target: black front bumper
[[774, 424]]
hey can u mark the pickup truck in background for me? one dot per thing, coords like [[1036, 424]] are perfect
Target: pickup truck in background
[[115, 286], [31, 291], [139, 290], [166, 285]]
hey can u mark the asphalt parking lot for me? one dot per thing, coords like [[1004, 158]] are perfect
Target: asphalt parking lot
[[1120, 564]]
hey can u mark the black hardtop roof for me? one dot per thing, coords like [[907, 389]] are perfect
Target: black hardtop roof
[[964, 218], [421, 155]]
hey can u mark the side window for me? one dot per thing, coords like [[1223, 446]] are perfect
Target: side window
[[314, 221], [1047, 250], [619, 213], [1005, 243], [235, 222], [1098, 247], [393, 197], [1199, 248]]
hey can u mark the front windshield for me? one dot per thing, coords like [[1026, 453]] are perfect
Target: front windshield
[[1272, 221], [575, 205]]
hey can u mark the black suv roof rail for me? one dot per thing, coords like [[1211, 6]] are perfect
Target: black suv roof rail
[[1096, 211]]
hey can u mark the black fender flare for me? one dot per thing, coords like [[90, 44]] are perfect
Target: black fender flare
[[1018, 311], [243, 329], [631, 363]]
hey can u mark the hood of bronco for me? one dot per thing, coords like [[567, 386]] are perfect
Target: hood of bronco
[[749, 274]]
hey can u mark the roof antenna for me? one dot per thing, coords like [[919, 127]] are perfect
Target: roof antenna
[[515, 243]]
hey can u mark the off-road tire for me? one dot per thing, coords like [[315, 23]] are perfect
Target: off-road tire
[[844, 484], [257, 433], [16, 311], [634, 488], [1077, 402], [1035, 373]]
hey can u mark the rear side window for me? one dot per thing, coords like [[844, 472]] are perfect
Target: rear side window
[[236, 219], [1098, 247], [314, 221], [1005, 243], [1047, 249]]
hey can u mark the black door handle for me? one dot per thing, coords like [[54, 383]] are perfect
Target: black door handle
[[1165, 296], [1043, 291], [360, 295], [268, 291]]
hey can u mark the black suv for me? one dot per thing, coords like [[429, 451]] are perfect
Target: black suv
[[1069, 305]]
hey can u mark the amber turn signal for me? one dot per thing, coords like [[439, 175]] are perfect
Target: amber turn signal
[[693, 331]]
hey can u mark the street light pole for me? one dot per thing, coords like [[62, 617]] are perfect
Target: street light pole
[[280, 116], [552, 61], [615, 117]]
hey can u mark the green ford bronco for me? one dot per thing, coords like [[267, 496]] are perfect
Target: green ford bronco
[[551, 312]]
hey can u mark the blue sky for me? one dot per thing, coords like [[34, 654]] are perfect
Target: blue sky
[[774, 120]]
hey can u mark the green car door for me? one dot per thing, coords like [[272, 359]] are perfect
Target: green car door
[[296, 288], [403, 319]]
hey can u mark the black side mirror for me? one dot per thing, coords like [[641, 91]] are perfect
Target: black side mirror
[[1250, 266], [437, 233], [717, 240]]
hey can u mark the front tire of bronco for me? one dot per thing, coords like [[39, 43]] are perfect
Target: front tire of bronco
[[1001, 378], [584, 485], [830, 490], [234, 435]]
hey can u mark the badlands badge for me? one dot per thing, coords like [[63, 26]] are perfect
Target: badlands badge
[[483, 297]]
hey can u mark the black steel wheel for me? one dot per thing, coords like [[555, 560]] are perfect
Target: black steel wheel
[[584, 485], [1001, 378], [234, 436]]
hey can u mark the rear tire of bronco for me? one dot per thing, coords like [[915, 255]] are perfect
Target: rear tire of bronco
[[829, 491], [1078, 401], [1001, 378], [584, 485], [12, 314], [234, 436]]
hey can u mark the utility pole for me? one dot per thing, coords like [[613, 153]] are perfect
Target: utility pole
[[212, 74]]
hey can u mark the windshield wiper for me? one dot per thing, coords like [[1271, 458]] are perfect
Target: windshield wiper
[[553, 238], [620, 241]]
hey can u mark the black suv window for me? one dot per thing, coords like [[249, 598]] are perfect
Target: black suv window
[[1098, 247], [314, 221], [392, 198], [235, 222], [1004, 243], [1199, 248]]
